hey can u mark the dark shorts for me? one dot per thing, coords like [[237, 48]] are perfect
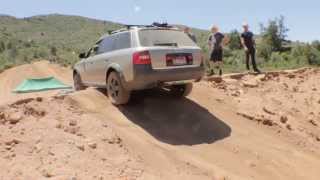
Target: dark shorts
[[216, 55]]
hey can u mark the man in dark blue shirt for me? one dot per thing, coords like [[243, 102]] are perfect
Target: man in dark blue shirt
[[248, 43]]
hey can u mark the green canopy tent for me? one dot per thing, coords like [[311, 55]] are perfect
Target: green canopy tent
[[41, 84]]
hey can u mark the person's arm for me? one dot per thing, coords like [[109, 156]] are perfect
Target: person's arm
[[194, 38], [226, 40], [242, 43], [210, 42]]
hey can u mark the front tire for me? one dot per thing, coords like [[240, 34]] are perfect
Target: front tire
[[117, 93], [181, 90], [77, 82]]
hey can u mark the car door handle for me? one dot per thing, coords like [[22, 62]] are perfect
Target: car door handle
[[106, 60]]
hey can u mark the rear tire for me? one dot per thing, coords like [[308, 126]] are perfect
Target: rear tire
[[77, 83], [181, 90], [117, 93]]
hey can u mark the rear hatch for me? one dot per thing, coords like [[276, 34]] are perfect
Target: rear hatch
[[170, 48]]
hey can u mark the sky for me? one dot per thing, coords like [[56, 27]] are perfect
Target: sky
[[302, 16]]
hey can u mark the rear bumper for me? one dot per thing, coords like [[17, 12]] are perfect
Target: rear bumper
[[145, 77]]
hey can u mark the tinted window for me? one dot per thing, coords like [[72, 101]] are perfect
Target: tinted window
[[122, 41], [106, 45], [164, 37]]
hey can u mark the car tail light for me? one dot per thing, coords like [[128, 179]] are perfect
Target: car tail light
[[142, 57], [189, 59], [169, 60]]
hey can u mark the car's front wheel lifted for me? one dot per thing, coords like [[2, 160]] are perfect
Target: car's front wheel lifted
[[117, 93], [181, 90]]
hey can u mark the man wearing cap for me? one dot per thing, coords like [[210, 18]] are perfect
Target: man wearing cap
[[249, 46]]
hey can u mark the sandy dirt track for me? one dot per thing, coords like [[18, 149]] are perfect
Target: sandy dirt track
[[250, 127]]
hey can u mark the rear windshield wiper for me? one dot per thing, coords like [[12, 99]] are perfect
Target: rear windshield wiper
[[166, 44]]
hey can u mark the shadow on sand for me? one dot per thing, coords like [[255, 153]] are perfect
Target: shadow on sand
[[174, 121]]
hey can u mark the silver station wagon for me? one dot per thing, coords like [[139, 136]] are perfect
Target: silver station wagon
[[140, 57]]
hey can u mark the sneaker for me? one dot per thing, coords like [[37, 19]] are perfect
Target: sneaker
[[257, 71]]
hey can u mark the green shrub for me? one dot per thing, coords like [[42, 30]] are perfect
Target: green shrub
[[235, 42], [276, 57], [313, 56], [264, 51], [316, 44]]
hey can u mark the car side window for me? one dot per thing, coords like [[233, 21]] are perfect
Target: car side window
[[115, 42], [123, 41], [106, 45]]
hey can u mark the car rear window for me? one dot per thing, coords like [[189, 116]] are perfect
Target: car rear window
[[164, 38]]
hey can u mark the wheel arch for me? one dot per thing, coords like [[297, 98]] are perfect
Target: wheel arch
[[114, 67], [75, 72], [118, 69]]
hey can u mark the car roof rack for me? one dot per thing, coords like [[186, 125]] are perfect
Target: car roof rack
[[153, 25], [138, 26]]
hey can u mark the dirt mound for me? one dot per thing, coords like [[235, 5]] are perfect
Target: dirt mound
[[154, 125], [289, 100], [238, 127], [59, 141], [11, 78]]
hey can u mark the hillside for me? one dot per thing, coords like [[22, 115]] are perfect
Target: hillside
[[59, 30], [60, 38], [57, 37]]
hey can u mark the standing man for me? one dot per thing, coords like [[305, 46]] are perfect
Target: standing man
[[249, 46], [191, 35], [215, 42]]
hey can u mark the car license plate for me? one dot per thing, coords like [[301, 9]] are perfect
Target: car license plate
[[179, 60]]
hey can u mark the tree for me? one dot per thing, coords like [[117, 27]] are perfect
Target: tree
[[316, 44], [307, 52], [264, 51], [2, 46], [235, 42], [9, 45], [13, 53], [275, 33], [312, 55], [53, 51]]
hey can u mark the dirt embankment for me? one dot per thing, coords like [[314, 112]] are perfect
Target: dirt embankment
[[287, 100], [11, 78], [244, 127], [49, 138]]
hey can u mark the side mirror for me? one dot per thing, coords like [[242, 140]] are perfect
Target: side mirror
[[95, 48], [82, 55]]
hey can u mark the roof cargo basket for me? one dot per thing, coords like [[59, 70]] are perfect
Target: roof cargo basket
[[153, 25], [130, 26], [156, 24]]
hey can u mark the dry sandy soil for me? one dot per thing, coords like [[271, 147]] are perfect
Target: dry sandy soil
[[245, 127]]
